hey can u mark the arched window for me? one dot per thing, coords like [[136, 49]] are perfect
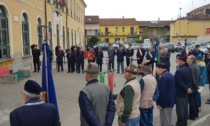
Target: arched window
[[64, 45], [50, 35], [72, 40], [25, 35], [39, 32], [4, 35], [57, 31]]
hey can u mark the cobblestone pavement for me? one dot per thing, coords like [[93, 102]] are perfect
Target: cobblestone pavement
[[67, 89]]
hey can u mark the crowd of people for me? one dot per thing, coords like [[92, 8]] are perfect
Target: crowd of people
[[135, 102]]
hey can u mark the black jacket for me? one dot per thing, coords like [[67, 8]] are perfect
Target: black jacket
[[165, 58], [99, 57], [129, 53], [36, 53], [80, 55], [59, 56], [182, 81]]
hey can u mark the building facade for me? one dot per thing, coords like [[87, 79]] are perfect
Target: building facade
[[92, 26], [22, 24], [155, 29], [195, 28], [119, 30], [201, 10]]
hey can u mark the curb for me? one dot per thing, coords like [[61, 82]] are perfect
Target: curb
[[201, 122]]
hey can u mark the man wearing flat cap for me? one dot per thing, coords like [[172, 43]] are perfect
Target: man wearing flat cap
[[127, 102], [182, 87], [166, 98], [34, 112], [96, 102], [149, 94]]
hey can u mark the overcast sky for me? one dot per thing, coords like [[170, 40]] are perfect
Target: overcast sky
[[142, 9]]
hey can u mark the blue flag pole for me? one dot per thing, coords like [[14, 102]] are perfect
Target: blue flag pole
[[48, 87]]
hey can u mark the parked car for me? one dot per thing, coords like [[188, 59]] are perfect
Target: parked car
[[135, 46], [103, 46], [178, 47], [170, 46], [146, 46], [203, 49]]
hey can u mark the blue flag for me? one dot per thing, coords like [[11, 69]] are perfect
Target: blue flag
[[48, 89]]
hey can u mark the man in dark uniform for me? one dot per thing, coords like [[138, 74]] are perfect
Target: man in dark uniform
[[182, 87], [140, 54], [99, 58], [59, 58], [165, 58], [34, 112], [111, 54], [75, 64], [120, 59], [129, 54], [36, 61], [70, 59], [80, 60]]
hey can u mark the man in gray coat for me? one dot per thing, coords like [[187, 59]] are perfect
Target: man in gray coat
[[195, 79], [96, 102]]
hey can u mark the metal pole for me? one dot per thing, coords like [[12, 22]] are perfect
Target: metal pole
[[67, 24], [45, 51]]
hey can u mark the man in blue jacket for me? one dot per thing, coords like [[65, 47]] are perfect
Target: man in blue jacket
[[166, 99], [182, 86], [120, 59], [96, 102], [34, 112]]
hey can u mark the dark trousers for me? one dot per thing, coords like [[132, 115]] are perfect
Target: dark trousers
[[193, 105], [111, 64], [36, 65], [69, 66], [100, 66], [120, 64], [73, 66], [80, 64], [128, 61], [146, 117], [182, 110], [60, 64]]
